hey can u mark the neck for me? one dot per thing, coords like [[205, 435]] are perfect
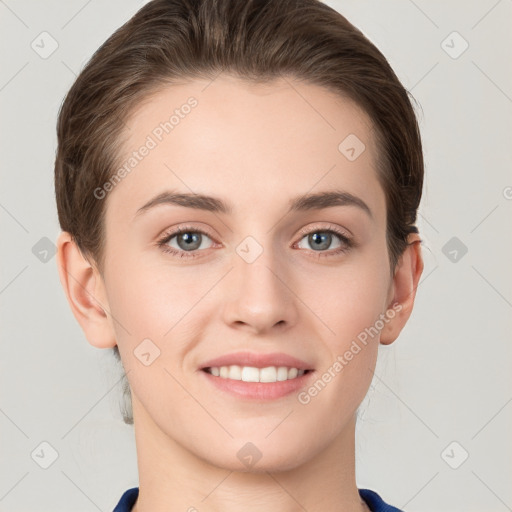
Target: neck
[[173, 478]]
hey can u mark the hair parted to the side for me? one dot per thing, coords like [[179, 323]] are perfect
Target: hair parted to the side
[[171, 41]]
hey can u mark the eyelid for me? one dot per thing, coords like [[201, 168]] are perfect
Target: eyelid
[[345, 233], [170, 233], [182, 228]]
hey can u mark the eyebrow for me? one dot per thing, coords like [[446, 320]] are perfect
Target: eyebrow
[[315, 201]]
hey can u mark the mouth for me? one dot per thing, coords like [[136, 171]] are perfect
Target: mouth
[[252, 376], [267, 374]]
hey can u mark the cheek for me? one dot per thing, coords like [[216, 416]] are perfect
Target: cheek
[[142, 301], [352, 297], [156, 302]]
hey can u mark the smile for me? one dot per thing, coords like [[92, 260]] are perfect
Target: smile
[[253, 374]]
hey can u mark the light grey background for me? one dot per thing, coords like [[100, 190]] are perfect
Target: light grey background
[[446, 379]]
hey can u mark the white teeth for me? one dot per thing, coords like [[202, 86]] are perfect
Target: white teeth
[[268, 374], [282, 373], [252, 374], [235, 372]]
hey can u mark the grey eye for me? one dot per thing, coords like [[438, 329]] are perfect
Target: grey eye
[[320, 240], [188, 240]]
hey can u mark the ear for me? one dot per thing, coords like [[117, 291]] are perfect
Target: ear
[[403, 289], [85, 291]]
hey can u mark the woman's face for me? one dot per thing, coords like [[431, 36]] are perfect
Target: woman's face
[[258, 276]]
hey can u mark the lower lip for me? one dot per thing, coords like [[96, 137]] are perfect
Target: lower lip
[[259, 390]]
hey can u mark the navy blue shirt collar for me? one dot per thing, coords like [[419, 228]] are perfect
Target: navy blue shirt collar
[[372, 499]]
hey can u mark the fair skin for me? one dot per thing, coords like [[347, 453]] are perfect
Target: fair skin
[[255, 147]]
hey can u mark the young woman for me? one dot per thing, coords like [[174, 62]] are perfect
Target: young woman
[[237, 185]]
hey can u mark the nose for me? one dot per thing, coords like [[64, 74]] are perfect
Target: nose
[[259, 295]]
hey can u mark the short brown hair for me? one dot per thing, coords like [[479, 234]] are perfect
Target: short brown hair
[[170, 41]]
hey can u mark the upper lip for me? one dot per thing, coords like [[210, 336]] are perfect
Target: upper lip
[[257, 360]]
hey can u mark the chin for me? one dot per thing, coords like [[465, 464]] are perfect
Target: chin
[[257, 458]]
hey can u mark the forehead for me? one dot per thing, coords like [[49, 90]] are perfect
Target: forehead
[[255, 142]]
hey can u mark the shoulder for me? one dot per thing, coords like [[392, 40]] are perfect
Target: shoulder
[[375, 502], [127, 500]]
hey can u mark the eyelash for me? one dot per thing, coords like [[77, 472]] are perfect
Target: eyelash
[[348, 243]]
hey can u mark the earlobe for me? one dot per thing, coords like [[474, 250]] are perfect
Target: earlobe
[[404, 285], [85, 291]]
